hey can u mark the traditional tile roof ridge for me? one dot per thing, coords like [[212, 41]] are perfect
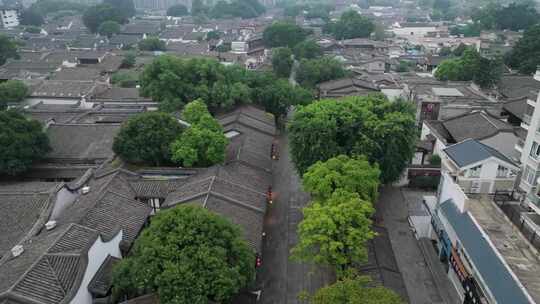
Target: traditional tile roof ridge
[[58, 263], [457, 126], [246, 112]]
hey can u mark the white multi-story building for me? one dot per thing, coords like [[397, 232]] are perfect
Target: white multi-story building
[[9, 17], [530, 150]]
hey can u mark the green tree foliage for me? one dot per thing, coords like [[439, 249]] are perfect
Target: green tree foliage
[[45, 7], [198, 8], [445, 51], [173, 82], [145, 138], [187, 255], [471, 66], [130, 59], [22, 142], [213, 35], [469, 30], [276, 95], [315, 71], [152, 44], [32, 29], [515, 16], [203, 143], [350, 25], [8, 49], [237, 8], [31, 17], [383, 131], [354, 175], [458, 51], [12, 91], [283, 34], [525, 56], [334, 231], [355, 290], [94, 16], [282, 61], [177, 10], [307, 49], [127, 79], [126, 7], [109, 28]]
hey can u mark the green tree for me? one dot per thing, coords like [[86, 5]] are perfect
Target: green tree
[[525, 56], [31, 17], [350, 25], [355, 175], [126, 7], [371, 125], [145, 138], [213, 35], [355, 290], [314, 71], [22, 142], [8, 49], [276, 95], [32, 29], [177, 10], [12, 91], [152, 44], [198, 8], [283, 34], [203, 143], [307, 49], [130, 59], [174, 81], [94, 16], [282, 61], [458, 51], [187, 255], [445, 51], [471, 66], [45, 7], [452, 69], [109, 28], [127, 79], [334, 232]]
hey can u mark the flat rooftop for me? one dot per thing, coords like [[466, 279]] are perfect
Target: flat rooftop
[[517, 252]]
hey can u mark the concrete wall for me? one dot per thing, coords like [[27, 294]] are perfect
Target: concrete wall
[[413, 32], [448, 189]]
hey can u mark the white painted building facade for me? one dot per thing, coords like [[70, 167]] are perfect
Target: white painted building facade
[[9, 18]]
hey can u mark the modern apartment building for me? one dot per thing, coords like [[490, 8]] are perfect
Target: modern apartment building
[[9, 15], [530, 150]]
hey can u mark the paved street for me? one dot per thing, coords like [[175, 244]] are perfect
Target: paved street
[[282, 280], [418, 279]]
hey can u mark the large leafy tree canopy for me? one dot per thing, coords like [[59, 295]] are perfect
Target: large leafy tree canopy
[[334, 231], [31, 17], [283, 34], [174, 81], [94, 16], [471, 66], [145, 138], [282, 61], [237, 8], [188, 255], [152, 44], [203, 143], [12, 91], [514, 16], [307, 49], [354, 175], [126, 7], [22, 142], [177, 10], [350, 25], [383, 131], [355, 290], [8, 49], [109, 28], [525, 56], [314, 71]]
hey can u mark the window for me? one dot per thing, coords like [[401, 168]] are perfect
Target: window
[[475, 171], [502, 171], [535, 150], [155, 203], [530, 175]]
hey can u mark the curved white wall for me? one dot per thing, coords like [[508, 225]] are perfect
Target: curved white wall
[[96, 256]]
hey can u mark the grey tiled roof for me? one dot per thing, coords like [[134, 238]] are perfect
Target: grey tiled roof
[[81, 141], [472, 151], [476, 125], [516, 107]]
